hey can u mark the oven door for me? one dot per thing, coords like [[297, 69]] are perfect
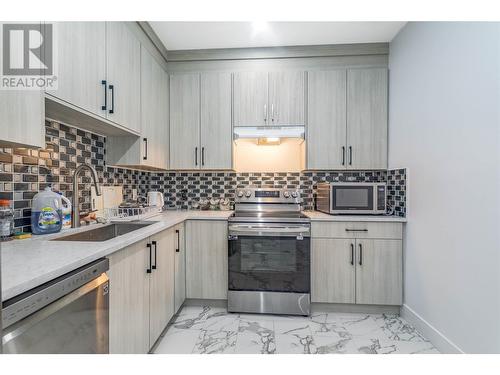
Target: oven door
[[269, 257], [353, 199]]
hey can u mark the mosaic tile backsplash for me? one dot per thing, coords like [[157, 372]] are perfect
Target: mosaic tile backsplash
[[24, 172]]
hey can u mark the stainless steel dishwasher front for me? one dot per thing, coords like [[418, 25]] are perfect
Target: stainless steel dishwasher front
[[69, 315]]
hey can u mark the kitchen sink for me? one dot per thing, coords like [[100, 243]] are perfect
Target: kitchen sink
[[104, 233]]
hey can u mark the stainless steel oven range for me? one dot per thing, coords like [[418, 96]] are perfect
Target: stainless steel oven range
[[269, 253]]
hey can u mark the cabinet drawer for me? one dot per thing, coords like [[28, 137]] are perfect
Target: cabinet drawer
[[357, 230]]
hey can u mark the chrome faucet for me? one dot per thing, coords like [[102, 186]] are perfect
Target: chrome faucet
[[75, 222]]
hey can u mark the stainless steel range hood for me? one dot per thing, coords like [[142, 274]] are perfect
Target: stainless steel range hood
[[269, 132]]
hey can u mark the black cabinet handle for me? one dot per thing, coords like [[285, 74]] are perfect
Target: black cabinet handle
[[352, 254], [105, 106], [178, 248], [155, 245], [145, 157], [360, 255], [350, 155], [196, 156], [203, 156], [356, 230], [112, 88], [343, 155], [148, 270]]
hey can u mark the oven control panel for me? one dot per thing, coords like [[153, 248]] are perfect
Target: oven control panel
[[268, 195]]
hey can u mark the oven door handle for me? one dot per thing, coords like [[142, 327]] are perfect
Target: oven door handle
[[253, 230]]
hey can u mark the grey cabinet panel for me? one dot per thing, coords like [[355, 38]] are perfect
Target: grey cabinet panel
[[216, 130], [379, 272], [367, 118], [326, 120], [161, 293], [250, 99], [124, 74], [286, 98], [81, 54], [332, 272], [185, 121], [180, 267], [206, 259], [129, 300]]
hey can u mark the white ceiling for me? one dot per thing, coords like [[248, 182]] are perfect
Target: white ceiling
[[204, 35]]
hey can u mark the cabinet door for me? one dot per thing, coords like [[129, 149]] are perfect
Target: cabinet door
[[123, 64], [379, 272], [129, 300], [161, 293], [250, 99], [154, 120], [216, 131], [180, 268], [367, 118], [332, 270], [286, 98], [326, 120], [185, 121], [206, 259], [81, 51]]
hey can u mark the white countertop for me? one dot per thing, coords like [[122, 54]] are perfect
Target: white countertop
[[321, 216], [29, 263]]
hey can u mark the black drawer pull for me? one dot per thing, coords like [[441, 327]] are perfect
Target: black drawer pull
[[352, 254], [178, 248], [360, 255], [105, 106], [148, 270], [156, 255], [356, 230], [112, 88]]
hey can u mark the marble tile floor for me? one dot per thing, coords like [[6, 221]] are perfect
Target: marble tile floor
[[207, 330]]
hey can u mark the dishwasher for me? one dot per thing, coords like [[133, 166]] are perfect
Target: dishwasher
[[68, 315]]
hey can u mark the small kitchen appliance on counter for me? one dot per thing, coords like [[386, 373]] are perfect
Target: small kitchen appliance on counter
[[367, 198], [155, 199], [269, 253]]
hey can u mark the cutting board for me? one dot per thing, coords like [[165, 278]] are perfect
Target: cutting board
[[111, 197]]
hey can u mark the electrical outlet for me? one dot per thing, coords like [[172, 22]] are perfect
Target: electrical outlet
[[134, 194]]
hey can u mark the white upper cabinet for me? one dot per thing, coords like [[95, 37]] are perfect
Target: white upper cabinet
[[123, 62], [286, 98], [185, 121], [81, 54], [250, 99], [326, 120], [367, 118], [263, 98], [216, 131]]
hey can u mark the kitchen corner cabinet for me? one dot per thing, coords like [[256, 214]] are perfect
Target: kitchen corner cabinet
[[180, 267], [269, 98], [150, 150], [206, 259], [349, 267], [347, 119], [200, 121], [141, 302]]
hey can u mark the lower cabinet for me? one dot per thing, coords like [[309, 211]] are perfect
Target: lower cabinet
[[357, 270], [206, 259], [180, 267], [141, 293]]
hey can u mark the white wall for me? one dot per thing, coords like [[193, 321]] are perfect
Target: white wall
[[444, 126]]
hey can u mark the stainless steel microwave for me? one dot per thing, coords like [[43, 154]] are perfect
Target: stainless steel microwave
[[367, 198]]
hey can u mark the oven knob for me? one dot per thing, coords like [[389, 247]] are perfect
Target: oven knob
[[286, 194], [294, 194], [248, 194], [240, 194]]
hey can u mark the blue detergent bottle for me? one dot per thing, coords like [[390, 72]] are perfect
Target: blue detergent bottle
[[46, 212]]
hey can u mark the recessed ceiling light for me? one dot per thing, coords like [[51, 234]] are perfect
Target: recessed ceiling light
[[260, 26]]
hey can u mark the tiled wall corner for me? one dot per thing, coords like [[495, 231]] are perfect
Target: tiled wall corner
[[397, 190]]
